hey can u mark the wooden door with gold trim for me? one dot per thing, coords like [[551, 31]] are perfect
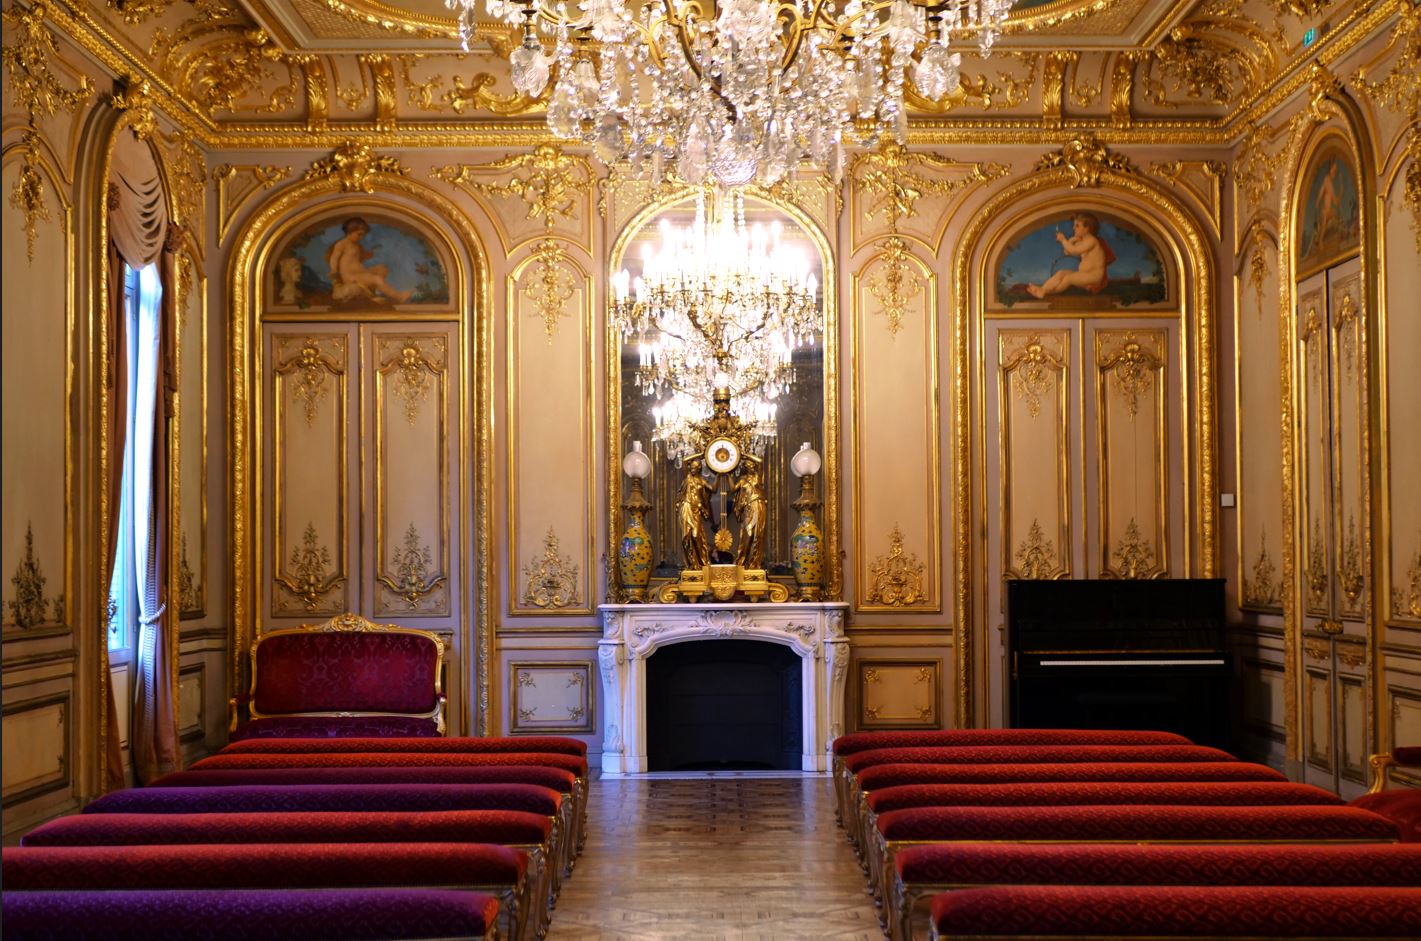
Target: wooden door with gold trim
[[1334, 557]]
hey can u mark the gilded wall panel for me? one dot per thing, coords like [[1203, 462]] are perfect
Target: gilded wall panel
[[551, 512], [550, 697], [35, 547], [1314, 445], [1352, 525], [192, 431], [1263, 697], [1401, 270], [313, 429], [895, 443], [545, 193], [1317, 703], [1403, 709], [192, 697], [898, 694], [36, 742], [411, 384], [1033, 383], [1258, 441], [1132, 445], [1352, 716]]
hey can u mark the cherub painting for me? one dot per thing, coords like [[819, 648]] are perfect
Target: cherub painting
[[359, 262], [1331, 224], [1081, 260]]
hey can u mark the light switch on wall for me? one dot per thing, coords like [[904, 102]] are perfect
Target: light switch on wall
[[1226, 499]]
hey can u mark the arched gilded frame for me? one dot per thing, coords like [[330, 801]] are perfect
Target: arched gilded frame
[[136, 116], [1183, 238], [833, 580], [1330, 119], [468, 284]]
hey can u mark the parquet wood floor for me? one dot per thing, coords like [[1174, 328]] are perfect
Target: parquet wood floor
[[724, 858]]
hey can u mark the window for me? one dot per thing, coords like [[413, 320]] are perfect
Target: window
[[135, 551]]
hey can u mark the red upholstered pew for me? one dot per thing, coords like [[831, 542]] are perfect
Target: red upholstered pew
[[921, 872], [228, 915], [1137, 912], [497, 871]]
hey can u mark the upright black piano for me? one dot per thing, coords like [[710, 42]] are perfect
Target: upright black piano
[[1120, 654]]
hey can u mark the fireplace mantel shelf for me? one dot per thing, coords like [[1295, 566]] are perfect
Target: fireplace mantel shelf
[[632, 632]]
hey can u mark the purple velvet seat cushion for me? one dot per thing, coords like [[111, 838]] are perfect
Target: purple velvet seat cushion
[[867, 741], [508, 827], [1038, 911], [573, 763], [261, 866], [555, 778], [329, 727], [554, 744], [1033, 754], [896, 775], [1065, 793], [1402, 807], [241, 914], [963, 864], [297, 798]]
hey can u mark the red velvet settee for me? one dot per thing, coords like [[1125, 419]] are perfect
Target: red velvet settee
[[347, 676]]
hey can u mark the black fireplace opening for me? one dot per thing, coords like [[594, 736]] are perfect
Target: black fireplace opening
[[723, 705]]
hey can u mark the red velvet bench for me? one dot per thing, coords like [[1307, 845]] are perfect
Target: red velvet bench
[[854, 764], [375, 679], [1137, 912], [857, 742], [897, 829], [923, 871], [1101, 793], [498, 871], [240, 915]]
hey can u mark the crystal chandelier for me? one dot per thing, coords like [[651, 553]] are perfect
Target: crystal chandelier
[[735, 91], [718, 306]]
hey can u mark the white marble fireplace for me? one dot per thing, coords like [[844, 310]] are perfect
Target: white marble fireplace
[[633, 632]]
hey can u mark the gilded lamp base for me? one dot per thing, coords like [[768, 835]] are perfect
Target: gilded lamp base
[[722, 583]]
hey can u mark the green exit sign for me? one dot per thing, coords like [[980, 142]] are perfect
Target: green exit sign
[[1310, 37]]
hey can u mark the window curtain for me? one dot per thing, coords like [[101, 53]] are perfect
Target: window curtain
[[140, 235]]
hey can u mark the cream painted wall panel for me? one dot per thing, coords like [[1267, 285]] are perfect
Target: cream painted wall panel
[[1402, 270], [1352, 716], [1263, 685], [122, 679], [35, 746], [34, 334], [192, 695], [551, 508], [1315, 445], [895, 443], [312, 432], [1317, 705], [1351, 522], [1259, 443], [1033, 382], [411, 379], [551, 697], [192, 450], [898, 693], [1131, 401]]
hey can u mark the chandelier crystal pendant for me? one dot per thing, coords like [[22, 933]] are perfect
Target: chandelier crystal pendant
[[718, 306], [734, 91]]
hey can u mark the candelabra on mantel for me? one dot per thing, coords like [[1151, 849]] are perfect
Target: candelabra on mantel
[[734, 91]]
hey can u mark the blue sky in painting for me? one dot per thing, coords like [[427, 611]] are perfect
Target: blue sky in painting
[[1034, 257]]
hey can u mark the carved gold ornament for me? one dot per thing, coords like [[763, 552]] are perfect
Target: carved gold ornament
[[547, 179], [1258, 274], [1086, 158], [1257, 169], [1262, 589], [1352, 655], [1348, 315], [136, 11], [189, 170], [1400, 91], [414, 378], [39, 93], [1132, 368], [1133, 556], [1406, 598], [355, 166], [551, 286], [895, 285], [896, 578], [29, 606], [552, 579], [189, 596], [1007, 91], [219, 75], [306, 577], [1036, 556], [412, 579], [1032, 368], [887, 176], [1201, 67], [1317, 650], [136, 98], [1350, 577], [1316, 571], [310, 386]]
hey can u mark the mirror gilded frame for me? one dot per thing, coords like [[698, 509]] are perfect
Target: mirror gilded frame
[[827, 484]]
